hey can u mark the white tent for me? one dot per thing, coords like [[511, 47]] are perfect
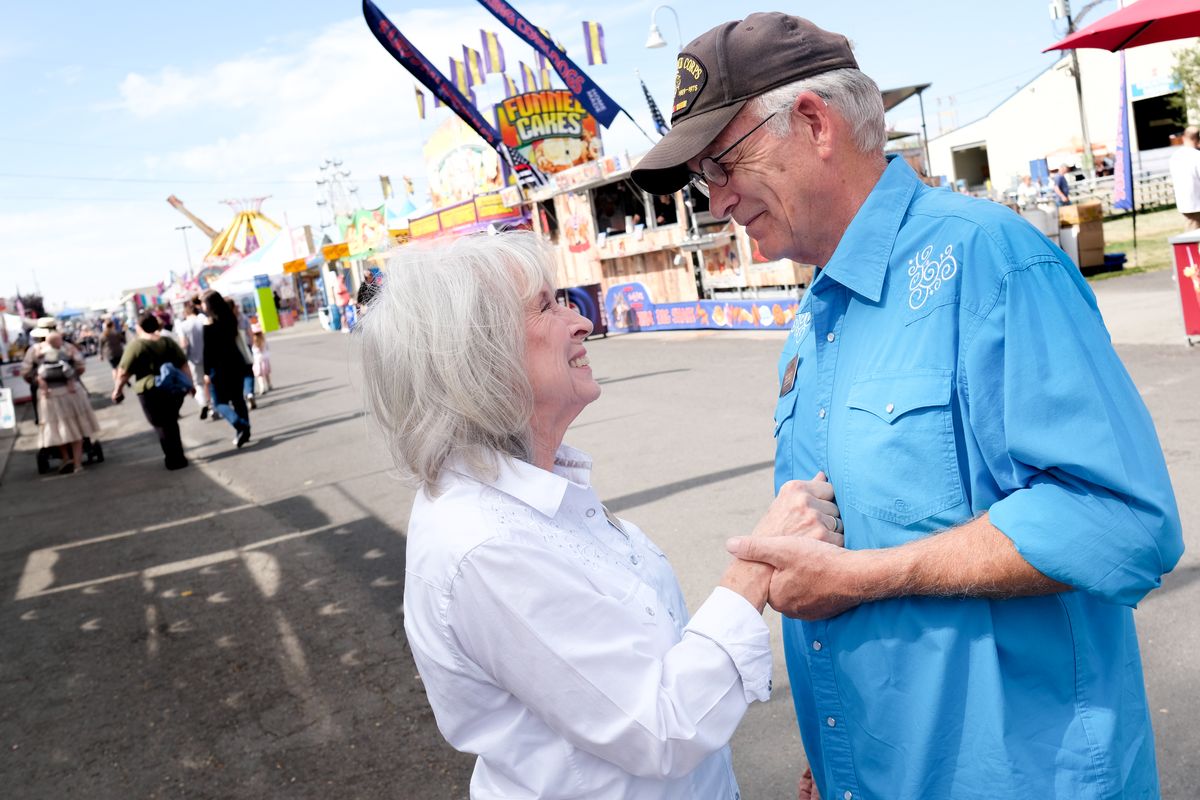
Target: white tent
[[267, 260]]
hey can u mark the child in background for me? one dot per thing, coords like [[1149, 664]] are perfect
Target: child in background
[[262, 362]]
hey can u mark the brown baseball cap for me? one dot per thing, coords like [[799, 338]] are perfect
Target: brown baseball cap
[[718, 72]]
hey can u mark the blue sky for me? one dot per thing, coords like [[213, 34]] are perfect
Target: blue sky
[[109, 111]]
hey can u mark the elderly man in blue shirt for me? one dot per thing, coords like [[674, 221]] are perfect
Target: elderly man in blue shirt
[[1004, 496]]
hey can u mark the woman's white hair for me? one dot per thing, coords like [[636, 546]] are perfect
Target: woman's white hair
[[855, 96], [443, 345]]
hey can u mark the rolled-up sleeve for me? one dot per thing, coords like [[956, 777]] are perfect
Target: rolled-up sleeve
[[1086, 498], [600, 670]]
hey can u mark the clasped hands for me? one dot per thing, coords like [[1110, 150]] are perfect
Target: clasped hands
[[802, 538]]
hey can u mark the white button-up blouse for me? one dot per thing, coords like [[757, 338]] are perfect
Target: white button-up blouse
[[555, 643]]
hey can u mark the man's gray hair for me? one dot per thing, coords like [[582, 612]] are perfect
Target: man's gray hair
[[443, 345], [855, 96]]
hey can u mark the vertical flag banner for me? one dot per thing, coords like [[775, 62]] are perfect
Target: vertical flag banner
[[510, 86], [474, 64], [437, 102], [458, 74], [1123, 167], [541, 60], [528, 78], [593, 43], [420, 102], [493, 55], [660, 124], [593, 99], [550, 38], [546, 79]]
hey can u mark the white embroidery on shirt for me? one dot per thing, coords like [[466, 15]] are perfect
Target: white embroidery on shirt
[[801, 324], [927, 274]]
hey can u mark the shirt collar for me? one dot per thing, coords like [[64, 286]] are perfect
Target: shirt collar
[[861, 259], [535, 487]]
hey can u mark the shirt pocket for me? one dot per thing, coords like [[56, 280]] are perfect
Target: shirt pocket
[[784, 409], [900, 459]]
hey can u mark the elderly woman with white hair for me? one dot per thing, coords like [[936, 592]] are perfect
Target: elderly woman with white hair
[[551, 637]]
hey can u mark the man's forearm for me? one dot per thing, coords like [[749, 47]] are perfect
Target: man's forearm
[[973, 560]]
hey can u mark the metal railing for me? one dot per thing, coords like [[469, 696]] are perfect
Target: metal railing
[[1152, 190]]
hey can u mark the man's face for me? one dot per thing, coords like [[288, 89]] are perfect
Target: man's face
[[769, 186]]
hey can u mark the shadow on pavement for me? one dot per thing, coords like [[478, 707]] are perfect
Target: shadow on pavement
[[165, 637]]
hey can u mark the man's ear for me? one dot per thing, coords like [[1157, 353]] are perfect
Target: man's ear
[[811, 113]]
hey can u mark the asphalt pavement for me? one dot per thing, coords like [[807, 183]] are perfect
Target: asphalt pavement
[[234, 630]]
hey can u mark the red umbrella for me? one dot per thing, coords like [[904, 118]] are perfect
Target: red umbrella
[[1143, 22]]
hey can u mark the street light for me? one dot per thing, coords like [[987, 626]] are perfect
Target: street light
[[186, 249], [656, 39]]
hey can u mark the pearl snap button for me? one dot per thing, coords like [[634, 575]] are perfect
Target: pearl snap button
[[816, 645], [890, 408], [830, 721], [830, 337]]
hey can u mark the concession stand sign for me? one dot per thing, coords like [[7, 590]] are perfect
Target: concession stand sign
[[550, 129]]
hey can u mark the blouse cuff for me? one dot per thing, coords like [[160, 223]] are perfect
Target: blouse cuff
[[733, 624]]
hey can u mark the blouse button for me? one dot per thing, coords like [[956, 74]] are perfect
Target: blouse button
[[591, 512], [650, 611], [635, 559]]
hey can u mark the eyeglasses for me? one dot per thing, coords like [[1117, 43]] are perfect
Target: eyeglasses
[[711, 169]]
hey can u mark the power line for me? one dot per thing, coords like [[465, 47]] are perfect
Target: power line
[[94, 178]]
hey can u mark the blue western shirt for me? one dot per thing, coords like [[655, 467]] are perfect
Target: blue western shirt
[[951, 361]]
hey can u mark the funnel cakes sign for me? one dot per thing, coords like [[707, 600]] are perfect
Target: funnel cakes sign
[[550, 128]]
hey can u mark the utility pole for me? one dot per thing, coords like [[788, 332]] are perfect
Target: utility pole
[[1089, 166], [184, 228]]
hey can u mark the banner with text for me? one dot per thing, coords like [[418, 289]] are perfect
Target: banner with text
[[630, 308]]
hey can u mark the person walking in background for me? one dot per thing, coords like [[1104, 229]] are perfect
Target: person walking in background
[[1062, 188], [143, 362], [225, 368], [191, 338], [243, 345], [262, 362], [65, 416], [112, 346], [1185, 174]]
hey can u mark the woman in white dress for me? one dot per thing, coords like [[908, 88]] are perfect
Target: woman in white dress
[[551, 637]]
